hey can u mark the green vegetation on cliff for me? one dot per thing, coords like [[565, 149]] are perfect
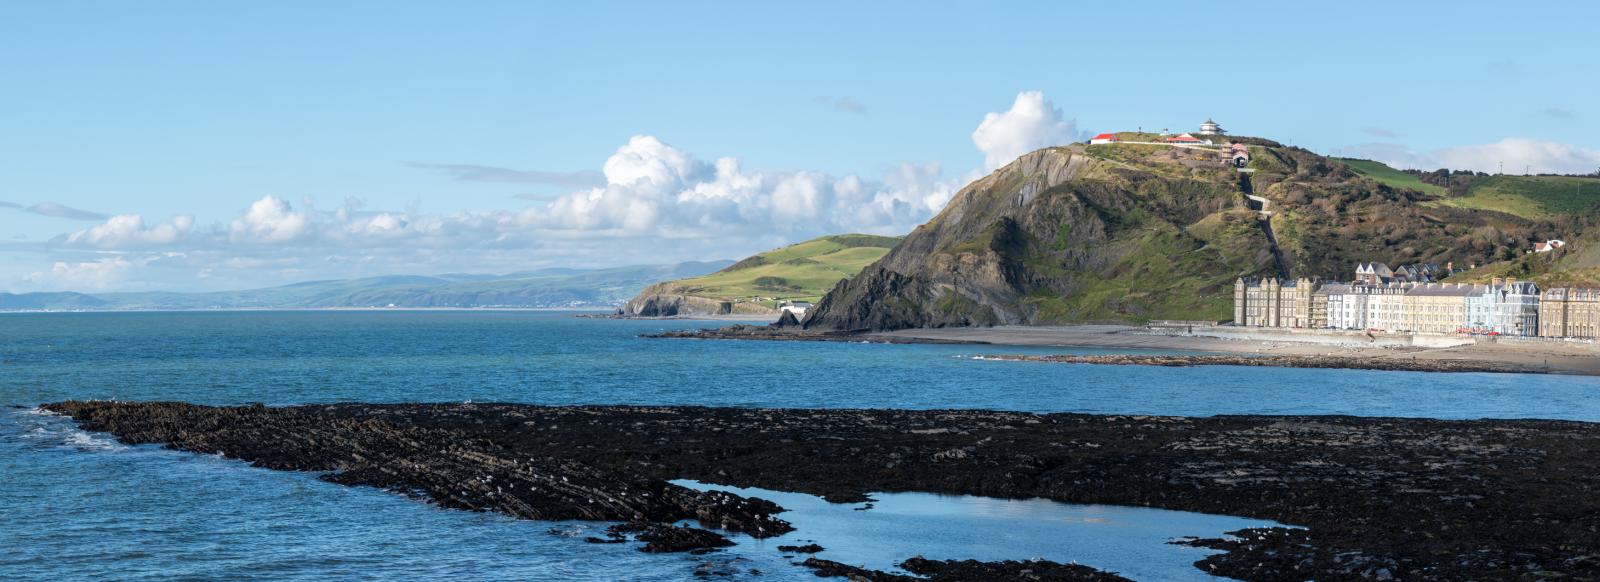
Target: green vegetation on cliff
[[1394, 178], [801, 271], [1532, 197], [1129, 232]]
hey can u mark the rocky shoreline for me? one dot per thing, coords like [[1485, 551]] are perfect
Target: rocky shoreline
[[1380, 498], [779, 333], [1394, 364]]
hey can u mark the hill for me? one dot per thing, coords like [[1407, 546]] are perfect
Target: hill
[[530, 289], [1532, 197], [1129, 233], [1577, 264], [798, 272], [1394, 178]]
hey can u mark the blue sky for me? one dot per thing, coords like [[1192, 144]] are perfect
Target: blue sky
[[196, 145]]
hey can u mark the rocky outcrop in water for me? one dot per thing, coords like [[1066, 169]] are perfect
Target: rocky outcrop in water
[[1411, 499], [451, 466], [962, 570], [652, 302], [789, 333]]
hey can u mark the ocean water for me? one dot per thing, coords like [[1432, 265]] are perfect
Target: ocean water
[[75, 505], [555, 358]]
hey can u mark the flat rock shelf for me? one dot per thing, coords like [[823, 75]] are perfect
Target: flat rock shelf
[[1378, 498]]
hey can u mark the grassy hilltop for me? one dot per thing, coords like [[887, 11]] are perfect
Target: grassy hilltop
[[1135, 232], [1387, 175], [798, 272]]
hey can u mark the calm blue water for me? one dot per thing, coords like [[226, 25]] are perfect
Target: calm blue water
[[74, 505], [554, 358]]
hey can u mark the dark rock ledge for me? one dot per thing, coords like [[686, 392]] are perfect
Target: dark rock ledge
[[1407, 499], [793, 334]]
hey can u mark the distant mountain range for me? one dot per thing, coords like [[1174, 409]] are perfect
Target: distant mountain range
[[545, 288]]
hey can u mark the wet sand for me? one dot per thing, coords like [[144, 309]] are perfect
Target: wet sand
[[1554, 357]]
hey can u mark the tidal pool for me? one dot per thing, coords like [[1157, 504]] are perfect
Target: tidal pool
[[1131, 541]]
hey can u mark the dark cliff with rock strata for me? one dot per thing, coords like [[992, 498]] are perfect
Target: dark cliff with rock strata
[[1131, 233]]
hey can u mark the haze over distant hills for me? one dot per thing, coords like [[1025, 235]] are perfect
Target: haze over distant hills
[[544, 288]]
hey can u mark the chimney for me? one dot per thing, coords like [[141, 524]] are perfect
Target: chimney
[[1511, 281], [1449, 267]]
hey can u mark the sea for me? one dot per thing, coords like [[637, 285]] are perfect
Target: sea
[[77, 505]]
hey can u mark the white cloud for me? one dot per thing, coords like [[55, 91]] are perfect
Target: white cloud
[[657, 204], [95, 275], [654, 189], [270, 220], [129, 231], [1030, 124], [1517, 154]]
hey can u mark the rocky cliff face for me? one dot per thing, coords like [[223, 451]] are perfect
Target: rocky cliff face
[[661, 300], [1025, 245], [1138, 232]]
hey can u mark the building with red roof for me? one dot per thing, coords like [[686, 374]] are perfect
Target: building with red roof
[[1104, 138]]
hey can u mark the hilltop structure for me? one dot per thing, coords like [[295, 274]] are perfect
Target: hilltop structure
[[1136, 230], [1211, 128]]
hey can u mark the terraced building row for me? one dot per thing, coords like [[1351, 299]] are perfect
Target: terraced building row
[[1502, 307]]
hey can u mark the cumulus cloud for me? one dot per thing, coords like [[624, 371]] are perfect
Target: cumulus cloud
[[1030, 124], [129, 231], [270, 220], [655, 189], [659, 204], [650, 202], [1517, 154], [477, 173]]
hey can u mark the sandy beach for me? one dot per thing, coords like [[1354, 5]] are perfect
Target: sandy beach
[[1554, 356]]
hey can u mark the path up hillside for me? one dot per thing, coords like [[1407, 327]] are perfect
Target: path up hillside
[[1134, 232]]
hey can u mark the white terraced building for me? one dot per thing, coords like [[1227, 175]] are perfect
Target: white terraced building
[[1380, 307]]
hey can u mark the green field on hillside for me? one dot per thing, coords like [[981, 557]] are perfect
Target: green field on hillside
[[1387, 175], [1532, 196], [802, 271]]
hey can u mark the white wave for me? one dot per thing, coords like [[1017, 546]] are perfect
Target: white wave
[[87, 441], [51, 429]]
